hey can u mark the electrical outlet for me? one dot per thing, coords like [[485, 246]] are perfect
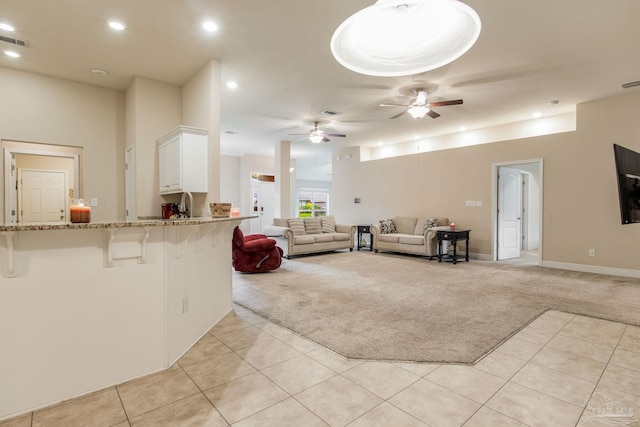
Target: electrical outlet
[[94, 201], [592, 252]]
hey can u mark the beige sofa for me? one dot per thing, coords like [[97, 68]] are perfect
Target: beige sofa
[[411, 235], [313, 235]]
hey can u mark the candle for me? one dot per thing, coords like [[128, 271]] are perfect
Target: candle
[[79, 213], [235, 211]]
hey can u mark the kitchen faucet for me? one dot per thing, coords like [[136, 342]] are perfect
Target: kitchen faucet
[[182, 208]]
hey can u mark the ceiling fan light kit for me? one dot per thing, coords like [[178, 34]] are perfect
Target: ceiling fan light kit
[[405, 37], [418, 111]]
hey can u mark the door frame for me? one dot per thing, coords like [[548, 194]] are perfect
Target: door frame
[[11, 148], [494, 202]]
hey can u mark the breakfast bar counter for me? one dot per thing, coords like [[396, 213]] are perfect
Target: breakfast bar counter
[[86, 306]]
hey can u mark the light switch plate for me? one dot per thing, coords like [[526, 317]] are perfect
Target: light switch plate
[[94, 201]]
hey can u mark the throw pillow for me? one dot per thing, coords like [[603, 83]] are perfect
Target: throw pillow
[[312, 226], [387, 226], [297, 226], [328, 225], [431, 222]]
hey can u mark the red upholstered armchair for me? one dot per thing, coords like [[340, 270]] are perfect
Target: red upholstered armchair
[[254, 253]]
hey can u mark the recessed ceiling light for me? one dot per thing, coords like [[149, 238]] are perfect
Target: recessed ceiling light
[[537, 114], [98, 72], [232, 85], [12, 53], [462, 128], [116, 25], [4, 26], [210, 26]]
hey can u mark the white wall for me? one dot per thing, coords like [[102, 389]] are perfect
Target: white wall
[[53, 111], [230, 181], [153, 110], [201, 109], [580, 202]]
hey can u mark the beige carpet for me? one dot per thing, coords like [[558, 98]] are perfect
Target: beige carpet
[[395, 307]]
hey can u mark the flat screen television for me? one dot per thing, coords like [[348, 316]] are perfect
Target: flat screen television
[[628, 171]]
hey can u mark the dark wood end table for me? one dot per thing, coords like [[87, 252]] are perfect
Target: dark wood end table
[[453, 236], [365, 229]]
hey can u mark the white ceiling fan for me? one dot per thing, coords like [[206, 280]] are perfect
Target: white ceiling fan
[[317, 136], [420, 107]]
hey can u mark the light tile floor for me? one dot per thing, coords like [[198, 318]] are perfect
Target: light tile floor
[[561, 370]]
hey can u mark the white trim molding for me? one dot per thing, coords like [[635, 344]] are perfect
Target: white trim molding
[[584, 268]]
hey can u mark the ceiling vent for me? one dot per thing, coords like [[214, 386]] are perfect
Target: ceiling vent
[[14, 41], [331, 113], [630, 84], [230, 132]]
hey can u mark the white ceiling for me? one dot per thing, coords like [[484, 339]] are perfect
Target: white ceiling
[[528, 53]]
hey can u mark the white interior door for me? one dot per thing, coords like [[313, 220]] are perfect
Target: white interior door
[[509, 213], [42, 196], [267, 202]]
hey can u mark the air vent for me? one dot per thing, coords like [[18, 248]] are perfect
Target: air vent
[[230, 132], [14, 41], [331, 113], [630, 84]]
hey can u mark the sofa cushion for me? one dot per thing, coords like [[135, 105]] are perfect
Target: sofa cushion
[[328, 224], [305, 239], [297, 226], [421, 226], [340, 237], [405, 224], [411, 239], [391, 238], [387, 226], [322, 238], [312, 226]]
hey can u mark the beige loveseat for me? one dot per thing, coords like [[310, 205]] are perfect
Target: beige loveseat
[[312, 235], [412, 235]]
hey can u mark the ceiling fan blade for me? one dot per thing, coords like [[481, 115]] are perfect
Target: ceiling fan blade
[[391, 105], [325, 139], [398, 115], [445, 103], [433, 114], [337, 135]]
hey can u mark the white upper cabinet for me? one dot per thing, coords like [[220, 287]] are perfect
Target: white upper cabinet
[[183, 158]]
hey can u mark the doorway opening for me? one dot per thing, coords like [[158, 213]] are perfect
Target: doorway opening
[[28, 155], [262, 201], [517, 212]]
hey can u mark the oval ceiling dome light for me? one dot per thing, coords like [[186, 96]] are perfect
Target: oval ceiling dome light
[[116, 25], [5, 26], [404, 37]]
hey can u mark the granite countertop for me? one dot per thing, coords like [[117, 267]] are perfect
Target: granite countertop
[[150, 222]]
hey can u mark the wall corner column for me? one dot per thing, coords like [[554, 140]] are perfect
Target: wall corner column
[[283, 179]]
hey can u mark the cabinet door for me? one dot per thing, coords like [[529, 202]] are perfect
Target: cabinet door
[[170, 156]]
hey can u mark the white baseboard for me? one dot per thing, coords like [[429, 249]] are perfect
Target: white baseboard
[[624, 272], [481, 257]]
